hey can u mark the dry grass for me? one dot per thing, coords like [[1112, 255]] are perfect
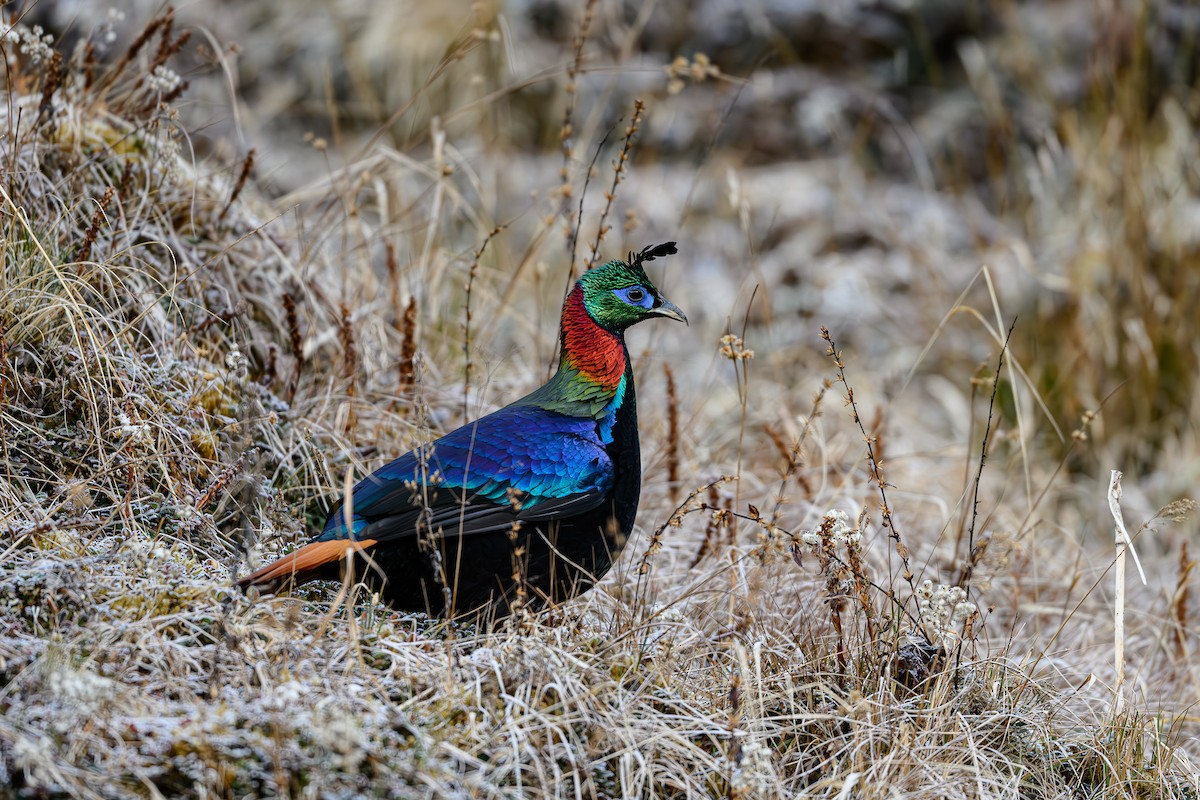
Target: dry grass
[[190, 371]]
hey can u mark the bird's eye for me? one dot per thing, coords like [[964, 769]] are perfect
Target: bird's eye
[[636, 295]]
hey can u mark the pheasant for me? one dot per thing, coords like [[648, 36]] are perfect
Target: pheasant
[[530, 504]]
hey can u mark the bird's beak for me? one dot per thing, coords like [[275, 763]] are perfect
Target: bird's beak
[[666, 308]]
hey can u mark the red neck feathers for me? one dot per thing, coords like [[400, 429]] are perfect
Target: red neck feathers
[[597, 354]]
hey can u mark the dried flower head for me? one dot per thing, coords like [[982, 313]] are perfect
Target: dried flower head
[[944, 610], [35, 43], [835, 529], [164, 80], [698, 70], [733, 348]]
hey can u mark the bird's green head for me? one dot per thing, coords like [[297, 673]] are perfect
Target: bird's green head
[[619, 293]]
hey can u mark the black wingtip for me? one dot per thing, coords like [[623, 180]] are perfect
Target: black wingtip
[[651, 252]]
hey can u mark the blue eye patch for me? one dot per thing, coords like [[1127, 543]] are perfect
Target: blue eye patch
[[635, 296]]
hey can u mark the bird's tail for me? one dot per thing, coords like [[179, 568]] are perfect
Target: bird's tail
[[308, 563]]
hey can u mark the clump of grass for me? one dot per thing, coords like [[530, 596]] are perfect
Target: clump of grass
[[122, 384]]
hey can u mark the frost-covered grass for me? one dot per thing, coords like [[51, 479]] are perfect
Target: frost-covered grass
[[826, 598]]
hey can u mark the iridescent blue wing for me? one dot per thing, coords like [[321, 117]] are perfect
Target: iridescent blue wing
[[519, 464]]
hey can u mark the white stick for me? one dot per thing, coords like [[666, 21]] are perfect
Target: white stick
[[1114, 505], [1122, 539]]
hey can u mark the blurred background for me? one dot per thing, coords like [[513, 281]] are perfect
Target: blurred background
[[860, 162]]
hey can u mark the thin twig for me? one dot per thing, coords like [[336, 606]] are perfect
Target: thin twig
[[619, 170], [734, 348], [296, 341], [964, 580], [587, 179], [876, 468], [467, 318], [408, 345], [791, 454], [673, 521], [85, 251], [672, 436], [239, 184], [567, 129]]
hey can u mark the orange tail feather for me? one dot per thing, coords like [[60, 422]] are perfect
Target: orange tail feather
[[303, 564]]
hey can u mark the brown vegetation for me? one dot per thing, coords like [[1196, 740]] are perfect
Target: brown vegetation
[[910, 592]]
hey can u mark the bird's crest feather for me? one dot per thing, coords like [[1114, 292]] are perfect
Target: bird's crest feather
[[651, 252]]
